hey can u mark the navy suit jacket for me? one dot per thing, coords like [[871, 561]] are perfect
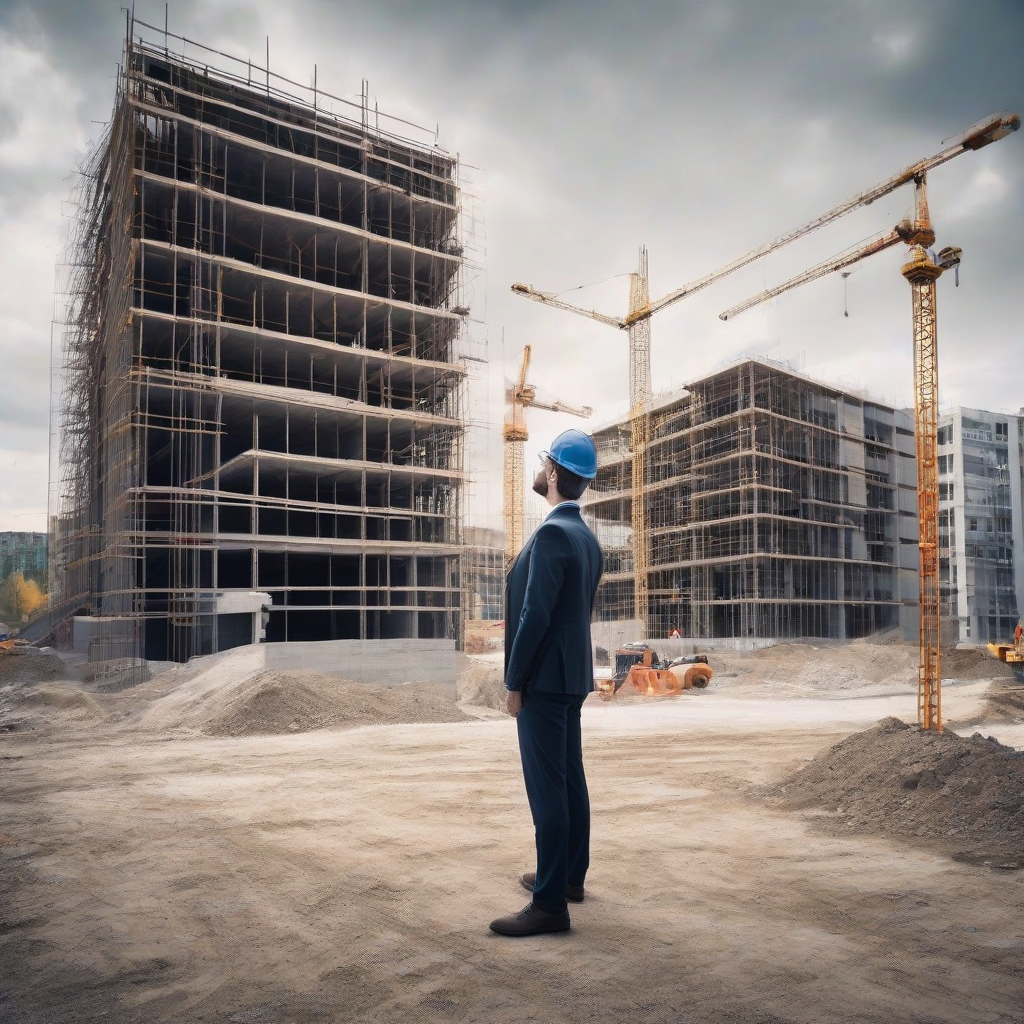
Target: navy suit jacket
[[549, 597]]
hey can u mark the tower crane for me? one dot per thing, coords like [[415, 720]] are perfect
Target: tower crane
[[922, 270], [636, 322], [520, 397], [638, 326], [641, 309]]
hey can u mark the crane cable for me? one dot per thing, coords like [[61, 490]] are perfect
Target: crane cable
[[591, 284]]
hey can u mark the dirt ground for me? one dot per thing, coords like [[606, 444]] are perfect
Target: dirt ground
[[149, 872]]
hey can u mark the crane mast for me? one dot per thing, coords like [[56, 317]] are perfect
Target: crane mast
[[921, 271], [639, 431], [515, 435]]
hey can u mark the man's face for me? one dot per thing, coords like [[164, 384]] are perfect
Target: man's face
[[542, 482]]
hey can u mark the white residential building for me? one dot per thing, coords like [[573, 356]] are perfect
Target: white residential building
[[981, 528]]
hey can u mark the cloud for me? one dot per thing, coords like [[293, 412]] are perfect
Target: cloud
[[700, 130]]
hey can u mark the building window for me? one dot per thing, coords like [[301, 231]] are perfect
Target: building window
[[1002, 431]]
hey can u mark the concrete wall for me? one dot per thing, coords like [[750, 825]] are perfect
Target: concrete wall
[[383, 662], [688, 645], [610, 635]]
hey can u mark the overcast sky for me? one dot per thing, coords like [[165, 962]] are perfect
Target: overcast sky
[[697, 129]]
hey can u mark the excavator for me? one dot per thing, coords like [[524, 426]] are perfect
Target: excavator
[[1013, 653]]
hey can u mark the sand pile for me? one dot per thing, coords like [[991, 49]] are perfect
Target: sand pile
[[965, 795], [805, 666], [808, 667], [300, 700], [28, 665], [35, 708], [61, 698], [481, 683], [266, 703]]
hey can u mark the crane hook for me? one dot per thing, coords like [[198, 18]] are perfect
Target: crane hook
[[844, 275], [949, 258]]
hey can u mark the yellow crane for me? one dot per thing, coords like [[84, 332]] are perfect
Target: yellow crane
[[921, 270], [637, 319], [641, 309], [521, 396]]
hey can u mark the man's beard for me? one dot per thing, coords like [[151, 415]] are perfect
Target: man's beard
[[540, 484]]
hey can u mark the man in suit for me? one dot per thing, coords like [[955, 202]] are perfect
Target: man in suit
[[549, 597]]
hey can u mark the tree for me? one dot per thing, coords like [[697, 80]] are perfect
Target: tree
[[19, 598]]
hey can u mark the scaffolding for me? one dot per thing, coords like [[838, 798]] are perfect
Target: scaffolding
[[776, 507], [485, 573], [261, 381]]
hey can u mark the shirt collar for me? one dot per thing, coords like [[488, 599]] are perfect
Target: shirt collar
[[562, 504]]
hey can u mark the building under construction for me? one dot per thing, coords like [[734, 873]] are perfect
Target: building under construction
[[777, 507], [261, 403]]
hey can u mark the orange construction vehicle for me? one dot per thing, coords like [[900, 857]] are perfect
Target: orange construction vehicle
[[639, 665], [1012, 654]]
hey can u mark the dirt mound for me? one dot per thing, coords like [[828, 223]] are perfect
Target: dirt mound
[[482, 684], [1004, 702], [803, 667], [972, 663], [965, 795], [61, 698], [483, 636], [298, 701], [796, 667], [28, 665], [41, 707]]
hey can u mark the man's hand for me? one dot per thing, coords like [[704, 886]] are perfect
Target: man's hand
[[514, 702]]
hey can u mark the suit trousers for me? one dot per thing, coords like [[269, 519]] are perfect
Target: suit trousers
[[552, 754]]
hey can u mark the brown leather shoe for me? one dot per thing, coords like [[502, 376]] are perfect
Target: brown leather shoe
[[531, 920], [573, 893]]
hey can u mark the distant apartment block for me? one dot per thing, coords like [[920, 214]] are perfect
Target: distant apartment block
[[981, 529], [24, 553], [777, 506]]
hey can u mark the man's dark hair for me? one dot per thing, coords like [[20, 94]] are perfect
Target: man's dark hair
[[570, 485]]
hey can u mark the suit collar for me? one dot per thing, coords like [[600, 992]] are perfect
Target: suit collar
[[565, 508]]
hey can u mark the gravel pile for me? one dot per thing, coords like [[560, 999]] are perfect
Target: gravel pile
[[29, 665]]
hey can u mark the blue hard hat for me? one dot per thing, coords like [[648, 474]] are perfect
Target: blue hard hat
[[576, 452]]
